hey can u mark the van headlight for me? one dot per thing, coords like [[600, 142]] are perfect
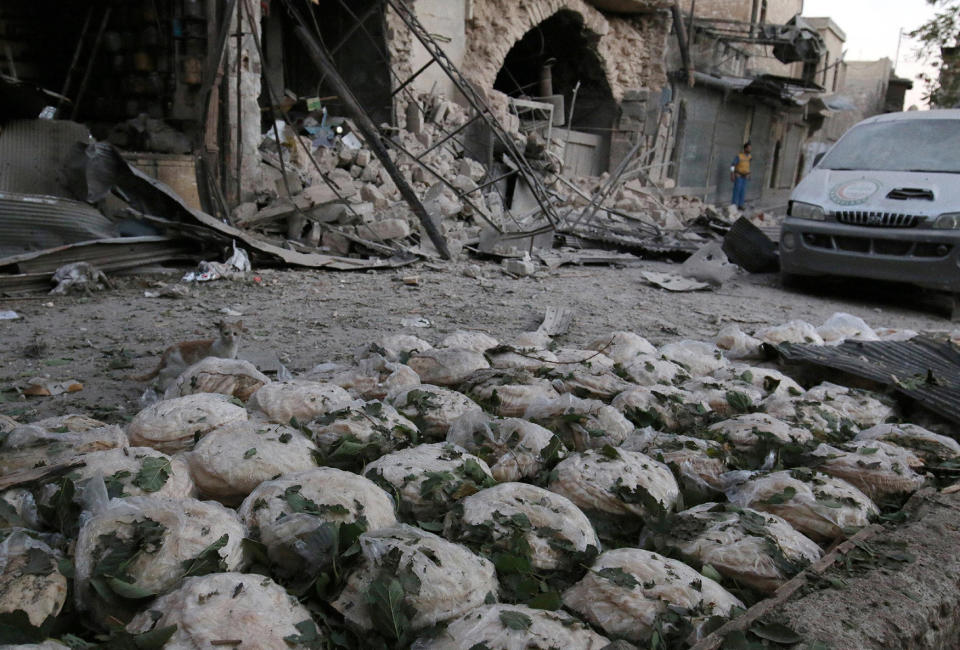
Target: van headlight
[[948, 221], [802, 210]]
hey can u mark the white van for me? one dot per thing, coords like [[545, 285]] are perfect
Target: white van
[[883, 203]]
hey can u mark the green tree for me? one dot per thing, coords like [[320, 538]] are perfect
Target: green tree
[[939, 39]]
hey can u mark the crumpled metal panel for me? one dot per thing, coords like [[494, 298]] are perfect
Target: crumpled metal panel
[[32, 154], [924, 369], [31, 222]]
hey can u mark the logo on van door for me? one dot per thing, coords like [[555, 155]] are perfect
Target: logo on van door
[[854, 192]]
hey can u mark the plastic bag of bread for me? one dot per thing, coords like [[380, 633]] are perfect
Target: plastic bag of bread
[[653, 371], [176, 424], [840, 327], [372, 378], [878, 468], [819, 506], [125, 472], [233, 377], [577, 359], [435, 580], [737, 344], [446, 366], [819, 418], [427, 479], [364, 431], [142, 547], [757, 433], [755, 548], [580, 423], [932, 447], [19, 509], [526, 358], [698, 464], [623, 348], [543, 527], [770, 381], [628, 593], [860, 406], [513, 627], [466, 340], [432, 408], [587, 383], [697, 357], [724, 398], [616, 486], [30, 580], [235, 610], [513, 448], [285, 513], [506, 392], [394, 347], [54, 440], [7, 423], [299, 400], [796, 331], [229, 462], [662, 407]]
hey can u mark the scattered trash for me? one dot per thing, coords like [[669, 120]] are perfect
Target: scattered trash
[[80, 275], [9, 315], [167, 291], [673, 282], [416, 322], [709, 264], [43, 387], [747, 246], [230, 312]]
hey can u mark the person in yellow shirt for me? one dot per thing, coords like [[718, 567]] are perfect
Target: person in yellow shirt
[[739, 174]]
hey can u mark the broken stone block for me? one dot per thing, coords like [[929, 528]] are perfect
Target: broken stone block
[[315, 195], [244, 211], [347, 156], [336, 243], [384, 230], [426, 139], [414, 121], [471, 168], [464, 183], [420, 175], [364, 157], [373, 194], [371, 173], [356, 171], [389, 188], [523, 268], [331, 213]]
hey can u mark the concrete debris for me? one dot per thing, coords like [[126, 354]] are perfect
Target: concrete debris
[[673, 282], [520, 267], [709, 264]]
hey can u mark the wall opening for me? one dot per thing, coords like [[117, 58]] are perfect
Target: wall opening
[[563, 40]]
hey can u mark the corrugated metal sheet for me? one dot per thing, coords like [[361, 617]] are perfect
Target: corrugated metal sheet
[[924, 369], [32, 153], [32, 222]]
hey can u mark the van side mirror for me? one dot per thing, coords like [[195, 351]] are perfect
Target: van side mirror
[[818, 158]]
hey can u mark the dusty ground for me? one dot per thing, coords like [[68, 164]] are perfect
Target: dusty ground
[[304, 318]]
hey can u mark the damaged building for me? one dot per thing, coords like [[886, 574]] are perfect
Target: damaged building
[[388, 130]]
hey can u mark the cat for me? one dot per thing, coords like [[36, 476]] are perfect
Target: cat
[[180, 356]]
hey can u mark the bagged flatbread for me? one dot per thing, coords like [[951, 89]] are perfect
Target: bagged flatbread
[[507, 392], [394, 347], [932, 447], [372, 378], [755, 548], [432, 408], [142, 547], [737, 344], [446, 366], [878, 468], [628, 590], [652, 371], [698, 464], [439, 580], [819, 418], [796, 331], [30, 580], [616, 485], [239, 610], [543, 527], [724, 398], [427, 480], [587, 383], [362, 432], [819, 506], [665, 408], [623, 348], [513, 448], [526, 358], [282, 401], [476, 341], [175, 424], [229, 462], [860, 406], [232, 377], [513, 627], [757, 433], [696, 357], [55, 440], [581, 423], [840, 327], [770, 381]]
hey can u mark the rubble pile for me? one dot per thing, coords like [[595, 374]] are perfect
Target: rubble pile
[[514, 493]]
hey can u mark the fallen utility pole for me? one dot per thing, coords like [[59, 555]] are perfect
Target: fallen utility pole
[[370, 133]]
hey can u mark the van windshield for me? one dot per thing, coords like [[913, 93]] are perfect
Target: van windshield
[[928, 145]]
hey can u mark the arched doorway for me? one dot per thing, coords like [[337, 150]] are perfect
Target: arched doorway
[[564, 44]]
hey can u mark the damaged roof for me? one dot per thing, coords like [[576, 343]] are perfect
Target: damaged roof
[[925, 369]]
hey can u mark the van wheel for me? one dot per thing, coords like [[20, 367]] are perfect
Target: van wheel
[[796, 282]]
